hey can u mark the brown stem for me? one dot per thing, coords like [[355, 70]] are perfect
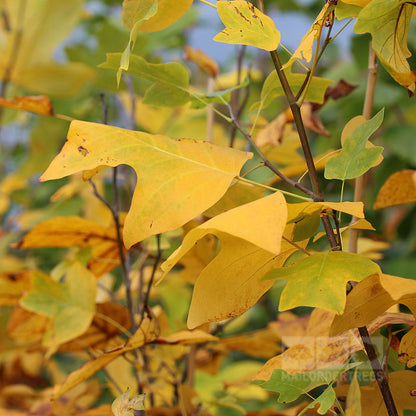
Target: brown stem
[[378, 372]]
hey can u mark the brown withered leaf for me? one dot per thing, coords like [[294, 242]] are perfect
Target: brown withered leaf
[[76, 231], [340, 89], [108, 321], [202, 60], [39, 104], [399, 188]]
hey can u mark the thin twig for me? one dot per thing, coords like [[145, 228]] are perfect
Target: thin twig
[[378, 372], [152, 278], [267, 161]]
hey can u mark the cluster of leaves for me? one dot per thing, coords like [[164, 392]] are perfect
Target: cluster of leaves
[[164, 282]]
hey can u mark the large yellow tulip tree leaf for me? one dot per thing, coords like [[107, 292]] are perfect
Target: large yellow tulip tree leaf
[[246, 25], [70, 306], [44, 26], [319, 280], [235, 273], [388, 23], [176, 179], [249, 249]]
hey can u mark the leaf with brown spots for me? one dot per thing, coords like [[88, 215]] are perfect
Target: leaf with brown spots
[[246, 25]]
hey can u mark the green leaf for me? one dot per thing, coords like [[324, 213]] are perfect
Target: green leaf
[[388, 22], [272, 88], [170, 81], [326, 399], [319, 280], [355, 159], [290, 387], [133, 15], [70, 306], [246, 25]]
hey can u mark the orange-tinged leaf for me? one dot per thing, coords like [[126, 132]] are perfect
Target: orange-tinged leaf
[[373, 296], [40, 104], [70, 306], [177, 179], [246, 25], [76, 231], [202, 60], [372, 403], [388, 22], [319, 280], [399, 188], [370, 298], [318, 350]]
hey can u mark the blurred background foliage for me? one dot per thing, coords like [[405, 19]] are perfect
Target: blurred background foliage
[[29, 142]]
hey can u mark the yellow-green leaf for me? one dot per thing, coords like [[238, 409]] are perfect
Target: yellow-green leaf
[[388, 22], [319, 280], [45, 24], [355, 158], [304, 50], [246, 25], [170, 81], [70, 306], [177, 179]]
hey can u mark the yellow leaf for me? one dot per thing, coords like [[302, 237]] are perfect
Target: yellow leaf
[[236, 273], [249, 246], [399, 188], [266, 233], [177, 179], [168, 12], [304, 50], [246, 25], [354, 398], [188, 337]]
